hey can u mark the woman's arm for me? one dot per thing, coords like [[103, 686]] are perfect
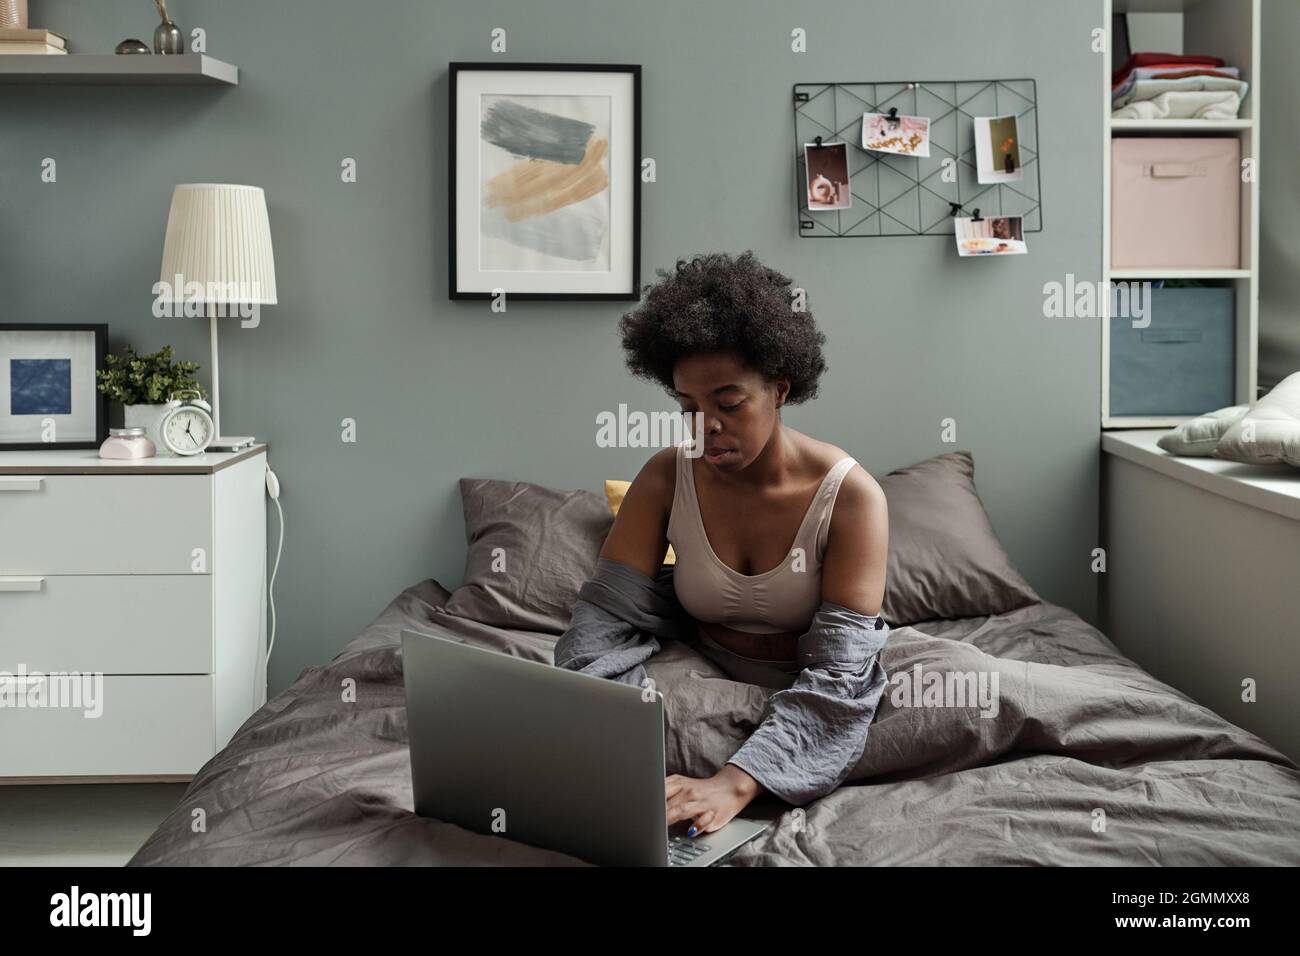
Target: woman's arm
[[813, 733], [857, 545], [627, 602], [639, 537]]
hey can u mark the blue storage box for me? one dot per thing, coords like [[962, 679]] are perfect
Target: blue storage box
[[1182, 363]]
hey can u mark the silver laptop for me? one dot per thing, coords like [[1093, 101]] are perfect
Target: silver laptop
[[547, 756]]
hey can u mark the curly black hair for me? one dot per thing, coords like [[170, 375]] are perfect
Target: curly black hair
[[717, 303]]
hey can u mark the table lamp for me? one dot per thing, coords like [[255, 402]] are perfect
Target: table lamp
[[217, 252]]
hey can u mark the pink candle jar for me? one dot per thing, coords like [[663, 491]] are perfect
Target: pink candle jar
[[127, 443]]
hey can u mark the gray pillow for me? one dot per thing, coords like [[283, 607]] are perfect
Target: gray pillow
[[530, 549], [945, 560], [1270, 431], [1197, 437]]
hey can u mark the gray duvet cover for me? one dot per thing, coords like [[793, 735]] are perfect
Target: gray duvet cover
[[1088, 760]]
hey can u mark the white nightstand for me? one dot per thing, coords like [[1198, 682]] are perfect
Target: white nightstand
[[148, 572]]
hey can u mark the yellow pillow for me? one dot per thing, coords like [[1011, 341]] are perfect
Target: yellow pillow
[[614, 492]]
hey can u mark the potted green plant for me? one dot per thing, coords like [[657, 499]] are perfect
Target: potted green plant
[[145, 384]]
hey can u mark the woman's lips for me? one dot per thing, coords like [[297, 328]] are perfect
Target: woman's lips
[[717, 454]]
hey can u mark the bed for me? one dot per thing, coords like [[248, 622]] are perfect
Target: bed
[[1085, 760]]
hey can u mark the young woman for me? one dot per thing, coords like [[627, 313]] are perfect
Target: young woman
[[769, 525]]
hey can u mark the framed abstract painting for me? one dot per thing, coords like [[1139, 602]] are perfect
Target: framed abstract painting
[[49, 396], [545, 198]]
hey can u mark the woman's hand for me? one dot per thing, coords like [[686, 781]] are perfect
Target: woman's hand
[[710, 803]]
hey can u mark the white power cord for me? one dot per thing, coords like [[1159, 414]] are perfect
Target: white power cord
[[273, 492], [270, 590]]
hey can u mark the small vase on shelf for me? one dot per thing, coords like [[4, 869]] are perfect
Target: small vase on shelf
[[167, 38]]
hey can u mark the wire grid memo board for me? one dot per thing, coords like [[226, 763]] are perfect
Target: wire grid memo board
[[906, 195]]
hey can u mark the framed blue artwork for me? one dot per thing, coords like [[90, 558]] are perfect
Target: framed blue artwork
[[48, 391]]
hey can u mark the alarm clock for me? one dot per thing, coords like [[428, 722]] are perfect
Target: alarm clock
[[187, 428]]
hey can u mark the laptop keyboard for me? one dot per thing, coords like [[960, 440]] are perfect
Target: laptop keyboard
[[685, 850]]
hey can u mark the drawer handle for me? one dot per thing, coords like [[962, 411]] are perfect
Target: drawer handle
[[21, 584], [20, 484], [1176, 170], [1172, 335]]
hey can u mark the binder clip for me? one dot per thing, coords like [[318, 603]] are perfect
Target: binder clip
[[892, 119]]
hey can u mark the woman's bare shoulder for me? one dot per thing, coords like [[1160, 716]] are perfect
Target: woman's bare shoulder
[[656, 482], [661, 467], [859, 491], [822, 455]]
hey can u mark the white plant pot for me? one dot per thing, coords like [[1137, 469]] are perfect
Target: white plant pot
[[148, 417]]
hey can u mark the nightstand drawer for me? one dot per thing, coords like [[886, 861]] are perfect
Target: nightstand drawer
[[113, 624], [146, 725], [105, 524]]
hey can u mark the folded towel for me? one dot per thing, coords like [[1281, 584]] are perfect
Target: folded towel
[[1207, 105], [1135, 89], [1163, 59], [1227, 72], [1175, 72]]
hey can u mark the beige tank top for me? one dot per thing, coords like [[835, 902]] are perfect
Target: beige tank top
[[782, 599]]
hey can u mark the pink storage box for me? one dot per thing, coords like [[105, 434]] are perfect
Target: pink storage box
[[1175, 203]]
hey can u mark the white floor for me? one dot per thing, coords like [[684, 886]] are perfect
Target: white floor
[[98, 824]]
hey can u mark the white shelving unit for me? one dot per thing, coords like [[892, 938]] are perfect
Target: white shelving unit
[[1228, 29]]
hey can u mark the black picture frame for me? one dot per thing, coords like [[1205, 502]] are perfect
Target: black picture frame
[[633, 292], [100, 330]]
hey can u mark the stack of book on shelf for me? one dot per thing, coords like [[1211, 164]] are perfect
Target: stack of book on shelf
[[28, 42]]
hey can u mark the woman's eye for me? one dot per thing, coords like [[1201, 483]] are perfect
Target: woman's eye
[[731, 408]]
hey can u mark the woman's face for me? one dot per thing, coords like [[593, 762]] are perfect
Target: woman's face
[[738, 406]]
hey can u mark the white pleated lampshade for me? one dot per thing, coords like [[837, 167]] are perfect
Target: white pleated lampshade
[[219, 236]]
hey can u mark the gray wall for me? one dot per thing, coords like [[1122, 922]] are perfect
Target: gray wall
[[1279, 176], [440, 390]]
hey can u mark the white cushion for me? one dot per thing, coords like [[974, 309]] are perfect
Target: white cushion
[[1199, 436], [1270, 431]]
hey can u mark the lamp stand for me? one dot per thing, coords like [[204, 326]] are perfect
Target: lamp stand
[[220, 442]]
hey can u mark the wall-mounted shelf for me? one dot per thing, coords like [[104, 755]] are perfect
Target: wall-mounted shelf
[[94, 69], [1229, 29]]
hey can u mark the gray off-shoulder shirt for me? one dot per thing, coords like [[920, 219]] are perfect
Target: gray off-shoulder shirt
[[812, 733]]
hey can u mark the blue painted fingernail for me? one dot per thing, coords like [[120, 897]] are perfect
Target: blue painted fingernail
[[691, 831]]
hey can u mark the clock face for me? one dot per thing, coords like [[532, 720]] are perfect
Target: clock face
[[188, 431]]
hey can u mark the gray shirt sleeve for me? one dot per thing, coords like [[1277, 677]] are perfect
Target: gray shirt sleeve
[[618, 619], [813, 733]]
